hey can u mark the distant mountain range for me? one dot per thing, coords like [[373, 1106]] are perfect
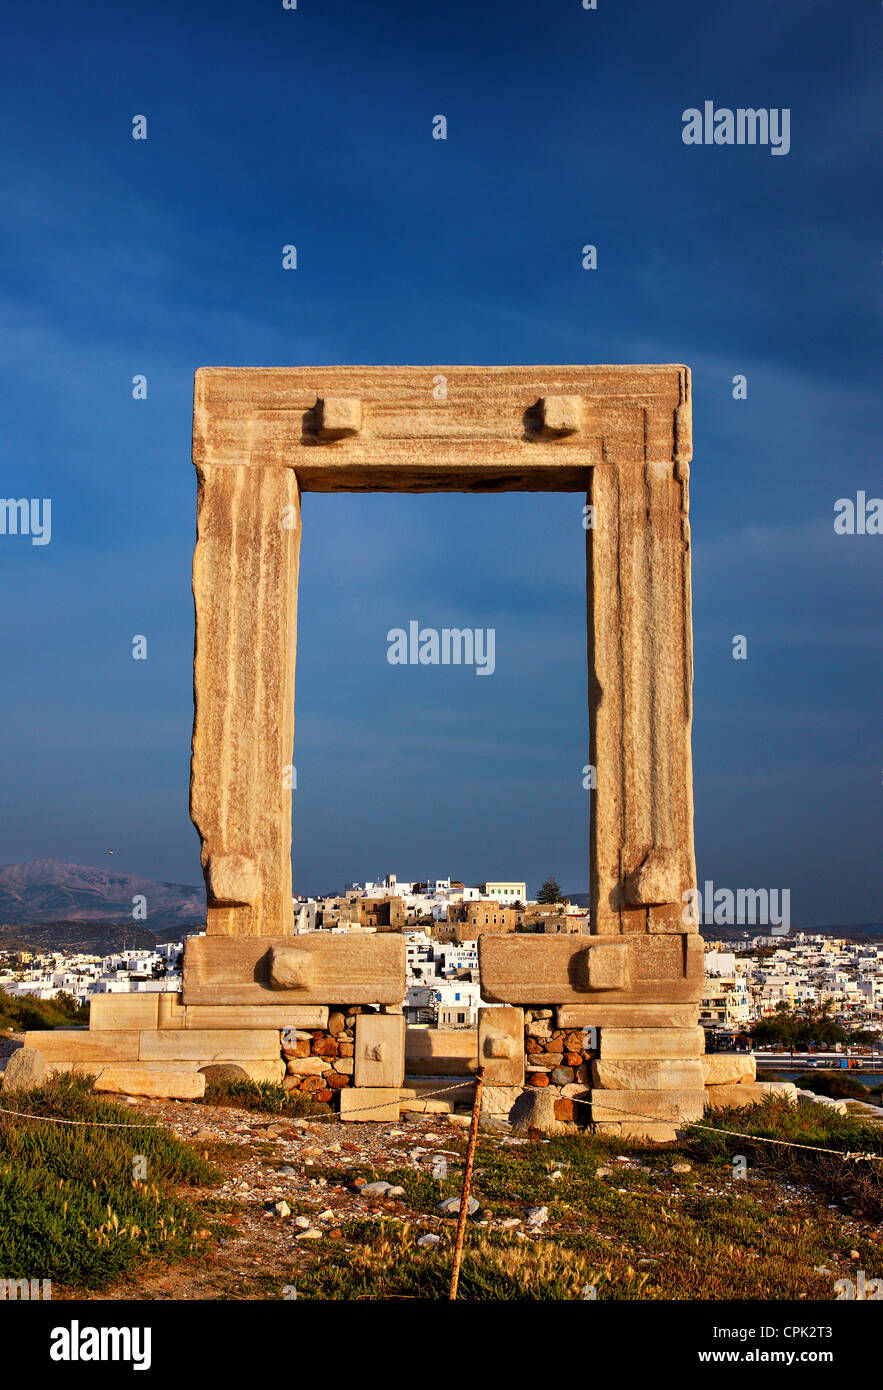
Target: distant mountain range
[[87, 938], [46, 903], [44, 891]]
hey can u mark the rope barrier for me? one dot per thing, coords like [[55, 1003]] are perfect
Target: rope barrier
[[738, 1134], [426, 1095], [712, 1129], [54, 1120], [118, 1124], [847, 1157]]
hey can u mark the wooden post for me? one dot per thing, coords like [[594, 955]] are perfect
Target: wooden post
[[467, 1179]]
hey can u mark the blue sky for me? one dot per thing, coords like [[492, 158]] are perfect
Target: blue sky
[[314, 127]]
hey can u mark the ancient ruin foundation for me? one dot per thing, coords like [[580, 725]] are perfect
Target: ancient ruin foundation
[[621, 1003]]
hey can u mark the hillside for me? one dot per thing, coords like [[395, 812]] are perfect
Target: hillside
[[88, 938], [44, 891]]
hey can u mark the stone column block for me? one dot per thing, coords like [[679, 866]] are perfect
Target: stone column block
[[729, 1068], [674, 1074], [245, 571], [622, 1106], [371, 1103], [619, 1043], [380, 1050], [501, 1045], [748, 1093]]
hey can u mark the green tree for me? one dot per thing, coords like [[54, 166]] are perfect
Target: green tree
[[550, 892], [794, 1029]]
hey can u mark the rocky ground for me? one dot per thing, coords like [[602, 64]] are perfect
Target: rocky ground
[[294, 1193], [272, 1204], [316, 1208]]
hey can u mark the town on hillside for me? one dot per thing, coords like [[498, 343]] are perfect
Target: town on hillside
[[763, 977]]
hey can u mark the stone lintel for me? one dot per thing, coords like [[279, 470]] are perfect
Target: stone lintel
[[349, 969], [659, 969], [438, 429]]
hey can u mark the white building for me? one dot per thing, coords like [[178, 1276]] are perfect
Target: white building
[[304, 914], [503, 891]]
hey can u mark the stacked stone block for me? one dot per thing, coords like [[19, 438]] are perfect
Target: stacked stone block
[[559, 1060], [155, 1045], [321, 1061], [647, 1081]]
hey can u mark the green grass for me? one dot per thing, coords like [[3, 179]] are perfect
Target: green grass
[[859, 1185], [71, 1209], [261, 1095], [631, 1233], [387, 1263], [776, 1118]]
